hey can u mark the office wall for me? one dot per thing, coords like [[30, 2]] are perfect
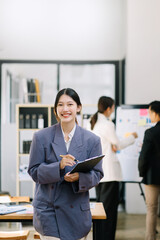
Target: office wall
[[142, 69], [143, 51], [62, 30]]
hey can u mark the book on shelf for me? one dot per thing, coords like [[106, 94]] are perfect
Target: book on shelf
[[27, 121], [31, 90], [25, 90], [37, 90], [32, 93], [40, 121], [28, 90], [26, 146], [21, 120], [33, 121]]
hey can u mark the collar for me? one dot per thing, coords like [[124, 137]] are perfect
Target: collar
[[101, 116], [71, 134], [158, 123]]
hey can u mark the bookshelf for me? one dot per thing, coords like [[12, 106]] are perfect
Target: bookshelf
[[29, 119]]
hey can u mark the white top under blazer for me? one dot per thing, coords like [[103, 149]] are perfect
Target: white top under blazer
[[105, 129]]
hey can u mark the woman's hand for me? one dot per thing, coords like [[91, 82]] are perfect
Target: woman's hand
[[73, 177], [135, 134], [67, 160], [114, 148]]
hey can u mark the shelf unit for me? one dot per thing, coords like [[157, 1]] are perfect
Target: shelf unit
[[24, 137]]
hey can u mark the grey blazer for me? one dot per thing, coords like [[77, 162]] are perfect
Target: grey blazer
[[61, 209]]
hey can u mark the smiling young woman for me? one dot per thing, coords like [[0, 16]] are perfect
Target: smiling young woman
[[60, 197]]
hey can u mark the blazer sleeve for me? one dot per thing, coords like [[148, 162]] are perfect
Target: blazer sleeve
[[38, 169], [92, 178], [145, 154], [113, 138]]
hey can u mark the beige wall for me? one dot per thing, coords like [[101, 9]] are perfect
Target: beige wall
[[143, 51]]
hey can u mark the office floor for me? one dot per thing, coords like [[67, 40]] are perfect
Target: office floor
[[130, 227]]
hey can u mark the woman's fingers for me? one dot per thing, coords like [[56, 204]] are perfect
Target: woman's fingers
[[66, 161], [71, 177], [69, 156]]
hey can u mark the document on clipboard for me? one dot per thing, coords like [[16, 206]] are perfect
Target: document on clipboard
[[87, 165]]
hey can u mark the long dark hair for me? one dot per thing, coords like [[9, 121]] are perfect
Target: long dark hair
[[103, 103], [155, 107], [69, 92]]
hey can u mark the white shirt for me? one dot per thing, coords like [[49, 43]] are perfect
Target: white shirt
[[70, 135], [105, 129]]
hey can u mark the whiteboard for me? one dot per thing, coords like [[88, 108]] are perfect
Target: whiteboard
[[131, 118]]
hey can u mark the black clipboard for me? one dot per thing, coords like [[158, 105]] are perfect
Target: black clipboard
[[87, 165]]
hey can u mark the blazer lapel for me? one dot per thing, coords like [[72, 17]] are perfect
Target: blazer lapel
[[75, 148], [58, 143], [60, 148]]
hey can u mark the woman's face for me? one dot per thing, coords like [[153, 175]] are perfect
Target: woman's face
[[67, 109], [111, 110]]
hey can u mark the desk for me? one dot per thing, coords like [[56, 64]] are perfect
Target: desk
[[98, 213]]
